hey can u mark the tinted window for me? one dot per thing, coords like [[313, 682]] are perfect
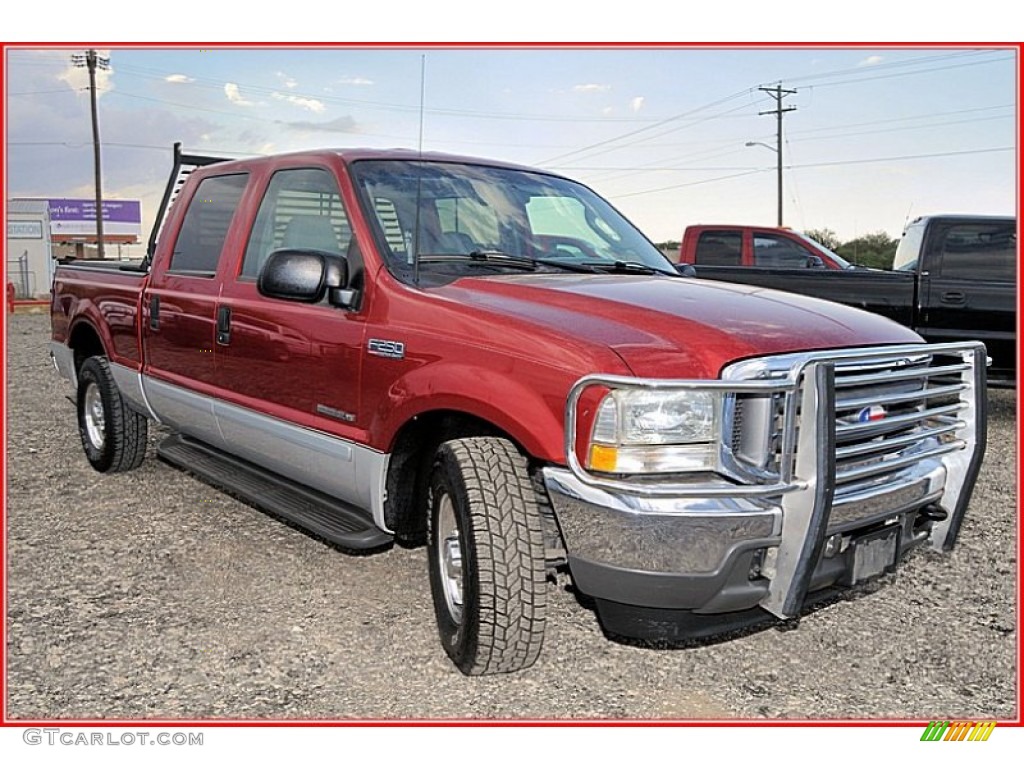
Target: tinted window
[[452, 209], [776, 251], [980, 251], [302, 209], [206, 224], [460, 216], [720, 249]]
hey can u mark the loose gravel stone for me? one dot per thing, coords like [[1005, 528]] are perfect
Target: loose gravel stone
[[150, 594]]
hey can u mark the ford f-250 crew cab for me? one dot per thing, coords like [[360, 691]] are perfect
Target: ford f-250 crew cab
[[384, 345], [954, 278]]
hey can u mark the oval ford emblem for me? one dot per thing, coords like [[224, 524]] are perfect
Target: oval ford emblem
[[872, 413]]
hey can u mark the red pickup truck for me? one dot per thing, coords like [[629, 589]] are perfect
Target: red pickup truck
[[386, 345], [728, 245]]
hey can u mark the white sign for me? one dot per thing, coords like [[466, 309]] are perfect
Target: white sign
[[25, 230]]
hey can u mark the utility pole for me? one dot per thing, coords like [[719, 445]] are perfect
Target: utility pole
[[93, 61], [778, 93]]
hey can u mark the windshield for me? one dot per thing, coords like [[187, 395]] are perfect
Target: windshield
[[843, 263], [449, 209]]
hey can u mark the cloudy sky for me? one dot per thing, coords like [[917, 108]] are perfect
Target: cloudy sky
[[878, 134]]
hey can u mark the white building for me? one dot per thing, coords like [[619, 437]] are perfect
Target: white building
[[28, 251]]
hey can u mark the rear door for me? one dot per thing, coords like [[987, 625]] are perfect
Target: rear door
[[719, 248], [180, 306]]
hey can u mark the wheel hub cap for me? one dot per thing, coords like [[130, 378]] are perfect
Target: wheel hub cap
[[449, 557], [95, 423]]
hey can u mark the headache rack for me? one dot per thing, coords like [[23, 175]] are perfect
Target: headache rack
[[183, 167]]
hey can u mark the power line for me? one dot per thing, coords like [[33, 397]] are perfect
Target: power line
[[907, 74], [889, 65], [688, 184], [905, 128], [858, 161], [901, 119], [637, 131]]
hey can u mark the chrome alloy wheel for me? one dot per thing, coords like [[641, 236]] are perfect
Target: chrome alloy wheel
[[95, 422], [449, 557]]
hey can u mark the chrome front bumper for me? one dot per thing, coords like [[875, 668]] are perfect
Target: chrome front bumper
[[704, 549]]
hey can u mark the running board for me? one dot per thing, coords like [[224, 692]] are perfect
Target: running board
[[327, 517]]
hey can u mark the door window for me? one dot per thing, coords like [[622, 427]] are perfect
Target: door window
[[205, 228], [980, 251], [778, 252], [720, 249], [301, 209]]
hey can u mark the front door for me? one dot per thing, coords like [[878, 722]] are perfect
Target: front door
[[290, 371]]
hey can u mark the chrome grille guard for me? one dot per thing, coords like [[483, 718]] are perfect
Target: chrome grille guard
[[807, 481]]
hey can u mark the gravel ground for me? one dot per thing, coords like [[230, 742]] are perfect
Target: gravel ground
[[150, 595]]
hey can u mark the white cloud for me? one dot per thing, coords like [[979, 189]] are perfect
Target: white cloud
[[355, 81], [286, 80], [608, 111], [179, 79], [637, 103], [591, 88], [344, 124], [235, 96], [313, 105], [870, 60]]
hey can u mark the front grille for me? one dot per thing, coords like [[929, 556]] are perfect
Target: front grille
[[892, 413]]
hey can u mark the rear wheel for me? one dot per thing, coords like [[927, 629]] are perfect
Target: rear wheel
[[486, 553], [113, 435]]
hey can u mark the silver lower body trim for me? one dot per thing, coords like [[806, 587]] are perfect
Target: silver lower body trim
[[63, 358], [129, 383], [339, 468]]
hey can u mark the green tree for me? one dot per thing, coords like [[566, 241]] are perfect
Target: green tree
[[825, 236], [670, 248], [872, 250]]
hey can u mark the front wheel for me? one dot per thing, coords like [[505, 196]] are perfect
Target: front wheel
[[486, 553], [113, 435]]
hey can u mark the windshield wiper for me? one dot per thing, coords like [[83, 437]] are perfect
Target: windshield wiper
[[491, 258], [633, 267], [501, 259]]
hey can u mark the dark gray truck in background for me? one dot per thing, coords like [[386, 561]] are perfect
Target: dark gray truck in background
[[954, 278]]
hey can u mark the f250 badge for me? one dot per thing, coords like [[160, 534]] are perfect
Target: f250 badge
[[385, 348]]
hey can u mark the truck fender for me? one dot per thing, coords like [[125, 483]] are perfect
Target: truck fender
[[532, 421], [89, 321]]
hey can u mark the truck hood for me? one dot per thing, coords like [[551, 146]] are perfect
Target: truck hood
[[665, 327]]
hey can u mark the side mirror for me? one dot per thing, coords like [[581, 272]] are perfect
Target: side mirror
[[304, 275], [815, 262], [686, 270]]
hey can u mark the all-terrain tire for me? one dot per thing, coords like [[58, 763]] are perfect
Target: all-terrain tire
[[113, 435], [486, 554]]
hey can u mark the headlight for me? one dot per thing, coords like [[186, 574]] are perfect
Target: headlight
[[655, 431]]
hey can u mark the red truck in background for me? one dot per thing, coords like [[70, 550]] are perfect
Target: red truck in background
[[725, 245], [386, 345], [954, 277]]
